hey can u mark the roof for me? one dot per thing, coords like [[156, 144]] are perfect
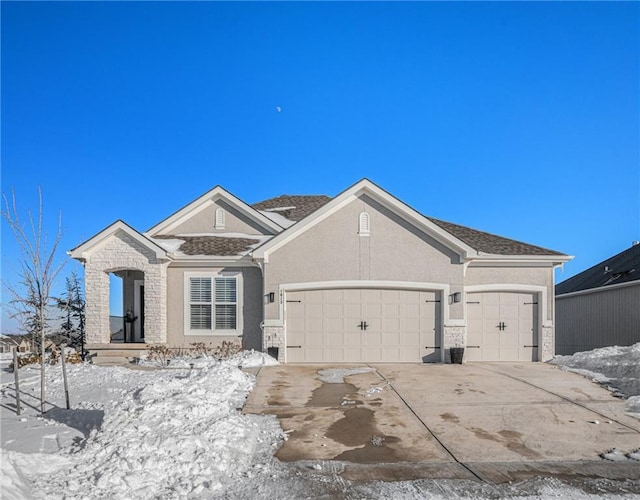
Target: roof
[[491, 243], [212, 245], [293, 207], [470, 243], [621, 268]]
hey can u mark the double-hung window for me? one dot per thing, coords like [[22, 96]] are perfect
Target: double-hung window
[[211, 304]]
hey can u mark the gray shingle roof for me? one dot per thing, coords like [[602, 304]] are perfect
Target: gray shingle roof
[[491, 243], [212, 245], [298, 207], [621, 268]]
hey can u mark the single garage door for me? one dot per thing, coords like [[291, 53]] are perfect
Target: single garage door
[[502, 327], [362, 325]]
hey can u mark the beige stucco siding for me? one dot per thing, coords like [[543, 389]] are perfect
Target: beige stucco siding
[[534, 276], [332, 250], [251, 308], [204, 222]]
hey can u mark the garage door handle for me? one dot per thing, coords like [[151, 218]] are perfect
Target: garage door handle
[[294, 347], [431, 347], [473, 346], [531, 346]]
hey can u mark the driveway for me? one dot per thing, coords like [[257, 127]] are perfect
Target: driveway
[[492, 421]]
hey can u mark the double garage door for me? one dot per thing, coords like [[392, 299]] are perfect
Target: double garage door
[[362, 325], [502, 327]]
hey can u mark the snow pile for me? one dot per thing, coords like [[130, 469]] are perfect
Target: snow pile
[[617, 368], [180, 435], [337, 375]]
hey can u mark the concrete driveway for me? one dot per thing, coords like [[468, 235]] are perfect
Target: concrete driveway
[[492, 421]]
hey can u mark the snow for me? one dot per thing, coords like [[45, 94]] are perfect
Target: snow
[[337, 375], [616, 368], [279, 219], [178, 433], [172, 245]]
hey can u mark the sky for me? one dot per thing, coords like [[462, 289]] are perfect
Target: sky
[[519, 119]]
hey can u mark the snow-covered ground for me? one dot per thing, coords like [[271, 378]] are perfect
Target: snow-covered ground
[[178, 433]]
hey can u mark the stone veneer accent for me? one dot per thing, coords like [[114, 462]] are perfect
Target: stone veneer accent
[[273, 336], [454, 336], [122, 252], [547, 344]]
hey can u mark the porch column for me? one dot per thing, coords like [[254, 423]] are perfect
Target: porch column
[[96, 284]]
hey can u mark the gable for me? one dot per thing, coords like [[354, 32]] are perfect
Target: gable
[[392, 249], [373, 193], [207, 220], [199, 217], [119, 231]]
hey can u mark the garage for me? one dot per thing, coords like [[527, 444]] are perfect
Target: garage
[[502, 326], [362, 325]]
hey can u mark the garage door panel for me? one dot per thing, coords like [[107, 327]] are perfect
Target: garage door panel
[[371, 339], [518, 316], [391, 325]]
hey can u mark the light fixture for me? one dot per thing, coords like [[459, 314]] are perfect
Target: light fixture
[[457, 297], [271, 296]]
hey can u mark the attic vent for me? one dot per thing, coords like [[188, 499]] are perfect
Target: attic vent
[[364, 225], [220, 216]]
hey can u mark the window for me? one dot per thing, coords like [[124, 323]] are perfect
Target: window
[[219, 223], [211, 304], [364, 226]]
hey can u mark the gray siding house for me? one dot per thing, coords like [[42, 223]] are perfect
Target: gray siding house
[[600, 306], [360, 277]]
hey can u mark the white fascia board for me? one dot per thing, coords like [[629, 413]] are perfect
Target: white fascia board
[[82, 251], [367, 187], [205, 201], [214, 260], [598, 289], [541, 260]]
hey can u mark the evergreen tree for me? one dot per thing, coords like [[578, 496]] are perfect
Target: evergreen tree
[[72, 305]]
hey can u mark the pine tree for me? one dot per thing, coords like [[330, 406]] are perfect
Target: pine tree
[[72, 305]]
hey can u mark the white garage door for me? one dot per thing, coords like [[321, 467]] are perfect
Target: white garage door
[[362, 325], [502, 327]]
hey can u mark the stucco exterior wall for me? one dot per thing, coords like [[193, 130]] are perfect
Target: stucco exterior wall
[[252, 303], [204, 222], [121, 252], [332, 250], [535, 276]]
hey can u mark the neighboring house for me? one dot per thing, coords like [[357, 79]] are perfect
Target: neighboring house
[[21, 343], [8, 343], [600, 306], [361, 277]]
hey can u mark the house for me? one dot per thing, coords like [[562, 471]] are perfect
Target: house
[[360, 277], [7, 343], [21, 343], [600, 306]]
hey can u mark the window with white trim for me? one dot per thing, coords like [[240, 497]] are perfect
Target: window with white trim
[[212, 303], [220, 216], [364, 224]]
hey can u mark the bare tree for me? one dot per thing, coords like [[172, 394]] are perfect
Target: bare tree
[[31, 296]]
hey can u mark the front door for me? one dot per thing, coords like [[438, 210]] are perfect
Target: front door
[[138, 310]]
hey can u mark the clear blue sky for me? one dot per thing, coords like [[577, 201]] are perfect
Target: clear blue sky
[[520, 119]]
